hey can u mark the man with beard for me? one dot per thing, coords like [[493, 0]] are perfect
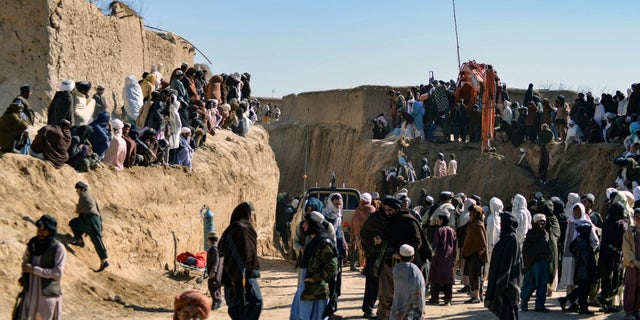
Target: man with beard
[[505, 274], [238, 246], [89, 221], [402, 228], [42, 268]]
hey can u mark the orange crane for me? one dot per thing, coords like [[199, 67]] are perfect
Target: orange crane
[[477, 84]]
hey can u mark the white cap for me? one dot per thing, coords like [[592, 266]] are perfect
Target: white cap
[[117, 124], [366, 197], [67, 85], [316, 216], [539, 216], [406, 250], [185, 130]]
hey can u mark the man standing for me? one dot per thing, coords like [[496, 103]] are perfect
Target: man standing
[[101, 102], [214, 268], [536, 254], [544, 138], [238, 246], [371, 230], [440, 168], [89, 222], [333, 214], [610, 259], [505, 274], [402, 228], [42, 268], [364, 210]]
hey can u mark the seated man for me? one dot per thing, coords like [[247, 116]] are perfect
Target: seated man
[[574, 135], [185, 150], [147, 148], [52, 142], [13, 129]]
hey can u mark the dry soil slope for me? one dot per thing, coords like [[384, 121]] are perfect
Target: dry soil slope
[[140, 206], [584, 169]]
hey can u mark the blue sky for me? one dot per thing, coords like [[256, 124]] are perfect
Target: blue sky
[[298, 46]]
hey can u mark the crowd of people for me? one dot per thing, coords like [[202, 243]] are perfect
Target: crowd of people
[[423, 109], [413, 255], [163, 119]]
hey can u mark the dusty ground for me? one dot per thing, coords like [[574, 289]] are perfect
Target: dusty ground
[[141, 207], [278, 285]]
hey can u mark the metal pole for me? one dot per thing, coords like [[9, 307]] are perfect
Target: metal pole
[[455, 24]]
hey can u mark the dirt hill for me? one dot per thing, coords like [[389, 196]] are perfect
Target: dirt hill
[[141, 207]]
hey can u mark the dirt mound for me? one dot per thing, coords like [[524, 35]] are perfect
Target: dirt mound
[[318, 149], [581, 168], [141, 206]]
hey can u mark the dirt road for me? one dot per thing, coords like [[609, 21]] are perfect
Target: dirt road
[[278, 284]]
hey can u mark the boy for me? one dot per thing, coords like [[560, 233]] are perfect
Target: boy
[[441, 273], [408, 287], [214, 267]]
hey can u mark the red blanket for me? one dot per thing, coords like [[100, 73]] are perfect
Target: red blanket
[[198, 260]]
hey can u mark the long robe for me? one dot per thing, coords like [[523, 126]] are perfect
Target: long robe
[[444, 249], [440, 169], [60, 108], [117, 152], [523, 216], [53, 142], [568, 261], [492, 224], [37, 306], [505, 274], [133, 98], [172, 135], [83, 108]]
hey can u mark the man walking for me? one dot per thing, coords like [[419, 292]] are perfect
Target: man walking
[[89, 222], [238, 246], [42, 268]]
